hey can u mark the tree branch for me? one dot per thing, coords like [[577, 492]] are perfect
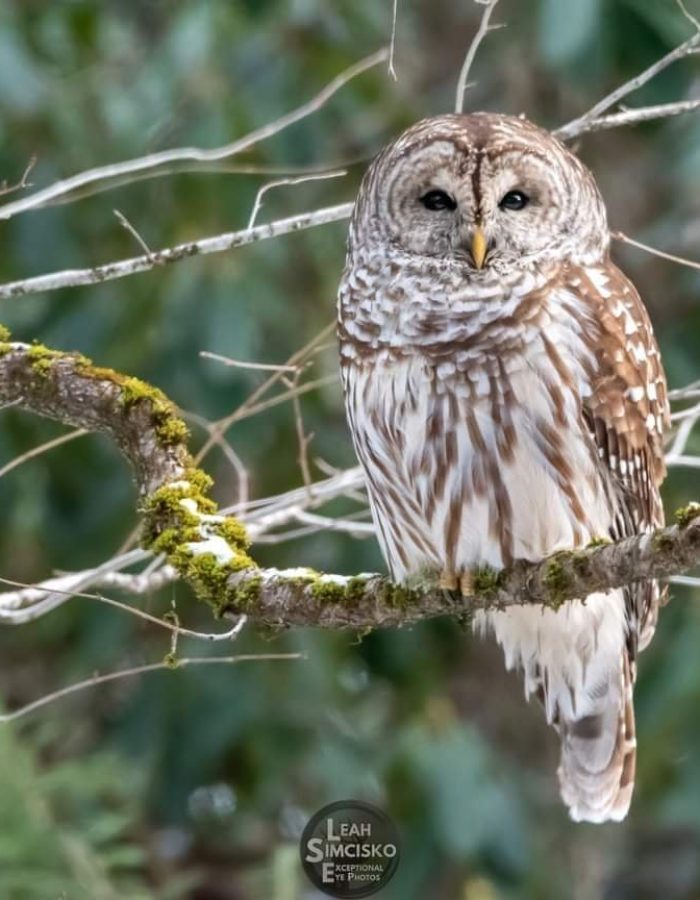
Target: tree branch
[[154, 162], [218, 244], [483, 29], [634, 117], [587, 122], [301, 597], [209, 550]]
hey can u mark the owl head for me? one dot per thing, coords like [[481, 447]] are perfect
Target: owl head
[[489, 193]]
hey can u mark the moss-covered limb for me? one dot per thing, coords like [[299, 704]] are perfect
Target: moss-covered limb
[[179, 518], [69, 388], [302, 597], [210, 551]]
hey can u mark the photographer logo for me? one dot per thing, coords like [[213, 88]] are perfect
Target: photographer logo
[[350, 849]]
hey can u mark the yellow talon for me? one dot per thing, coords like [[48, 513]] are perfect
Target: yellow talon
[[448, 580], [466, 584]]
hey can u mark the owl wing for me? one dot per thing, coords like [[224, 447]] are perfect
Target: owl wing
[[627, 413]]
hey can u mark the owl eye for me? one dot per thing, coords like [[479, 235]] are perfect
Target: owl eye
[[514, 200], [437, 200]]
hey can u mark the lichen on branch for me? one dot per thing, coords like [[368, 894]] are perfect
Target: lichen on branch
[[210, 551], [179, 518], [299, 597]]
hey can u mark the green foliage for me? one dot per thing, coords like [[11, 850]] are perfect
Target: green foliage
[[208, 775], [70, 831]]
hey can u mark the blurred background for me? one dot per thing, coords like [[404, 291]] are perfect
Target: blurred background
[[197, 784]]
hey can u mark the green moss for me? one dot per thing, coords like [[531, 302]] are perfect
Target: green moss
[[557, 579], [174, 527], [4, 334], [598, 542], [133, 391], [326, 591], [233, 532], [42, 359], [244, 597], [663, 542], [172, 431], [686, 514], [486, 581], [581, 561], [352, 591], [397, 596], [170, 661], [355, 590]]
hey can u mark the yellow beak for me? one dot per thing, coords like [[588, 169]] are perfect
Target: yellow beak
[[478, 247]]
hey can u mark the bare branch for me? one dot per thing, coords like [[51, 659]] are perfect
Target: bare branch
[[281, 182], [126, 224], [635, 116], [251, 405], [228, 452], [300, 597], [6, 188], [166, 664], [585, 122], [237, 364], [174, 627], [153, 161], [218, 244], [482, 31], [392, 44], [38, 451], [619, 236]]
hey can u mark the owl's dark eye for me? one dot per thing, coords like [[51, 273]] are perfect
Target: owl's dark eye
[[437, 200], [514, 200]]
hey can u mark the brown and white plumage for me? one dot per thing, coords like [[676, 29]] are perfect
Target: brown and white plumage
[[507, 400]]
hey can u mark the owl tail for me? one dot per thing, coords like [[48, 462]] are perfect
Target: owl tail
[[598, 752]]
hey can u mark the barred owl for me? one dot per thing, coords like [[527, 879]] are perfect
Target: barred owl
[[507, 400]]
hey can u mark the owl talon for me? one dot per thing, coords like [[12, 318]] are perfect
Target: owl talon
[[466, 584], [448, 580]]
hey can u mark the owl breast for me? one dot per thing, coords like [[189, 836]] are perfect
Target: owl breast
[[465, 472], [469, 472]]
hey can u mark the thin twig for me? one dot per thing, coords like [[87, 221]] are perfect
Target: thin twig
[[281, 182], [168, 664], [483, 30], [228, 452], [620, 236], [346, 525], [42, 448], [238, 364], [125, 223], [303, 439], [210, 637], [242, 411], [392, 43], [154, 160], [689, 392], [6, 188], [687, 580]]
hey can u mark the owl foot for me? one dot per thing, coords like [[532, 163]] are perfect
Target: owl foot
[[466, 584], [448, 580]]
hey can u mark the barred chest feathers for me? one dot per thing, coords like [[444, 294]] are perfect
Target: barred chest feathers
[[476, 453], [474, 442]]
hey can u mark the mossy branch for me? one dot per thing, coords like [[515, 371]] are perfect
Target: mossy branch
[[179, 518], [210, 550], [302, 597]]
